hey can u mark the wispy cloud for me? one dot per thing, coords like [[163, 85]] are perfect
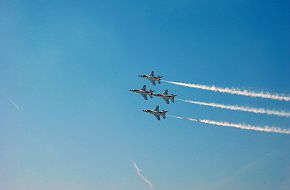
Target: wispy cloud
[[235, 91], [139, 173]]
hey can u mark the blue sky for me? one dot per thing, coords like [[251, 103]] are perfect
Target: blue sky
[[69, 65]]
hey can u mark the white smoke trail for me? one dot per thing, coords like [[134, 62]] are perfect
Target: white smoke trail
[[143, 178], [240, 108], [236, 91], [239, 126]]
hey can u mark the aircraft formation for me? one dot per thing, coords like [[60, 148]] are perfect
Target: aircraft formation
[[235, 91], [145, 93]]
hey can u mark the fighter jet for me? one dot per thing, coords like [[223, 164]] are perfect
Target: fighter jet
[[156, 112], [144, 92], [165, 96], [153, 79]]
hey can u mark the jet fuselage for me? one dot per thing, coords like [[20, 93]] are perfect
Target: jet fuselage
[[165, 97], [152, 79], [156, 113], [145, 92]]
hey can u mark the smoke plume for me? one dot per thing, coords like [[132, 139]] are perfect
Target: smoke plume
[[235, 91]]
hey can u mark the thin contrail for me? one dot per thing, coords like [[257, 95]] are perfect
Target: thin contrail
[[243, 170], [236, 91], [143, 178], [13, 103], [240, 108], [237, 125]]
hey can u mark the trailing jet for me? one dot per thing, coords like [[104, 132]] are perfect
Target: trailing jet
[[156, 112], [144, 92], [165, 96], [153, 79]]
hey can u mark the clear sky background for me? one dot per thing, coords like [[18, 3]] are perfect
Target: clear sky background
[[68, 65]]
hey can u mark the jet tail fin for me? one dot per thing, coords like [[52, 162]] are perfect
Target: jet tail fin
[[164, 113], [173, 97]]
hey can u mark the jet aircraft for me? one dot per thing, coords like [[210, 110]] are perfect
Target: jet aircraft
[[165, 96], [157, 113], [153, 79], [144, 92]]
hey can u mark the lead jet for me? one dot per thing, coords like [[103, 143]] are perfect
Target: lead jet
[[144, 92], [153, 79], [166, 97], [156, 112]]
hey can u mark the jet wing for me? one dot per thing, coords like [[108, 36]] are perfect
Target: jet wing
[[157, 108], [153, 82], [157, 117], [144, 96], [165, 92], [167, 101]]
